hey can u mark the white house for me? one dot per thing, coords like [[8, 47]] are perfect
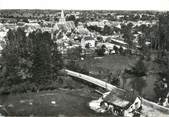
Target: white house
[[1, 25]]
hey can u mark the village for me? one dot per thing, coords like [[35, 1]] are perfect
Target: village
[[114, 62], [89, 35]]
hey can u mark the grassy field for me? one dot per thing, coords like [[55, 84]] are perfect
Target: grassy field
[[107, 64], [61, 103]]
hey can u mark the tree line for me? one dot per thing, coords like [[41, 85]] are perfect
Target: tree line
[[32, 59]]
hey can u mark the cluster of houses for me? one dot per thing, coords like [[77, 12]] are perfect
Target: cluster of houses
[[79, 36], [68, 35]]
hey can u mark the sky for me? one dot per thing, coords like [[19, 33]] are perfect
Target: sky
[[160, 5]]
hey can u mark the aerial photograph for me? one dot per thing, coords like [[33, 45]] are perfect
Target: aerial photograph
[[84, 59]]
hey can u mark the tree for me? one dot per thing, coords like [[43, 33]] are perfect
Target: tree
[[127, 34], [139, 68], [100, 39], [46, 59], [114, 78], [95, 28], [71, 18], [25, 20], [87, 46], [75, 66], [153, 35], [141, 41], [142, 44], [115, 48], [162, 83], [16, 57], [74, 53], [163, 31], [121, 50], [101, 51], [107, 30], [34, 58], [137, 72]]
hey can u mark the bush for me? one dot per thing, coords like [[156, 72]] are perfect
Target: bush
[[28, 86], [72, 65], [100, 52]]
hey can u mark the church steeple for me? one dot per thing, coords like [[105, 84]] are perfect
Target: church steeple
[[62, 18], [62, 14]]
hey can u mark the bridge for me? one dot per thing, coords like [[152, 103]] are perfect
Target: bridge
[[110, 87]]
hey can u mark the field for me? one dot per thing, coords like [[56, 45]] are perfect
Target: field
[[107, 64], [61, 103]]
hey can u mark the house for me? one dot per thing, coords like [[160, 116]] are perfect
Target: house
[[118, 103], [88, 40], [30, 27], [1, 25], [3, 34], [82, 30]]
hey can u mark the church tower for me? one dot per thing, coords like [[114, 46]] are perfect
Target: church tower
[[62, 18]]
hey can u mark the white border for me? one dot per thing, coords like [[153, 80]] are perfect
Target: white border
[[160, 5]]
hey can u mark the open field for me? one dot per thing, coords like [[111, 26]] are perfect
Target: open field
[[107, 64], [61, 103], [111, 62]]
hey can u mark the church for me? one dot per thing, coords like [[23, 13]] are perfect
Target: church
[[63, 24]]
